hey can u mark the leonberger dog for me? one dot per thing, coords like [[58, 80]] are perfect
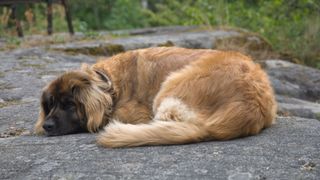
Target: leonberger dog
[[160, 96]]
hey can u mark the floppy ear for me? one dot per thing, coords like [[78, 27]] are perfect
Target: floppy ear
[[95, 97], [38, 127], [98, 76], [103, 77], [96, 104]]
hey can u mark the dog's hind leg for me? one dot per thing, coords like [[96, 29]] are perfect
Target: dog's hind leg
[[174, 109]]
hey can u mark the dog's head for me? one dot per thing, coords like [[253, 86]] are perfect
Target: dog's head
[[77, 101]]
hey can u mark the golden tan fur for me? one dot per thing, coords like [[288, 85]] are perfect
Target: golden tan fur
[[175, 96]]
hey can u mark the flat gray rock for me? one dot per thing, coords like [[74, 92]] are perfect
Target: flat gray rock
[[294, 80], [297, 107], [297, 88], [287, 150]]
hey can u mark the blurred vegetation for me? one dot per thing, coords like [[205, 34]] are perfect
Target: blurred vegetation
[[291, 26]]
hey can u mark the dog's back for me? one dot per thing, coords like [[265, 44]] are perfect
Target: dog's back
[[204, 95]]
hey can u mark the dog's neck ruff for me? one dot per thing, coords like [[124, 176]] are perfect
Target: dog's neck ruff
[[106, 78]]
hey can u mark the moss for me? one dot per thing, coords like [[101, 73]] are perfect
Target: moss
[[10, 103], [114, 48], [105, 50], [166, 44], [13, 69], [48, 72], [247, 43], [12, 131], [2, 74], [38, 66], [4, 86], [318, 115], [119, 35], [25, 63], [284, 113], [58, 39]]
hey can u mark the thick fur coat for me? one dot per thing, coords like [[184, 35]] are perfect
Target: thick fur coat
[[160, 96]]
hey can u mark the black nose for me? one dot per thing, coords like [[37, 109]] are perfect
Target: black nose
[[49, 125]]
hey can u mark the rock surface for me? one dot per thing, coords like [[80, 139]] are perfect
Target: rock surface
[[297, 88], [287, 150], [294, 80], [189, 37]]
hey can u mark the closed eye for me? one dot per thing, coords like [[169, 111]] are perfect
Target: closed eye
[[69, 105], [51, 102], [46, 108], [47, 103]]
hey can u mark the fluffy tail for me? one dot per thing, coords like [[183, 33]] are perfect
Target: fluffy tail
[[155, 133], [226, 123]]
